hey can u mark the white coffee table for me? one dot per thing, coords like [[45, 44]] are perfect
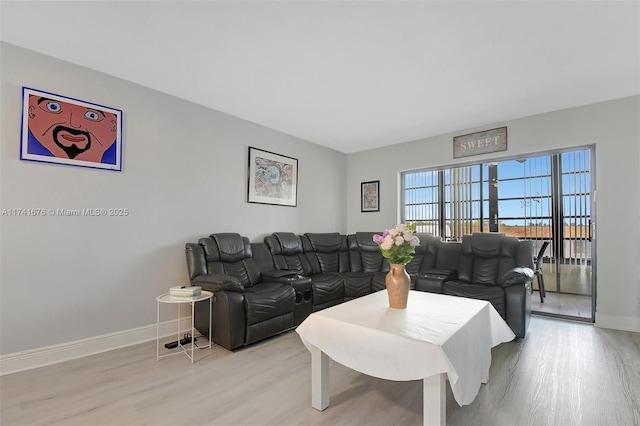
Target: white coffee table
[[169, 299], [435, 338]]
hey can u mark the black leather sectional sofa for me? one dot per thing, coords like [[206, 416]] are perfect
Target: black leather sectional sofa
[[264, 288]]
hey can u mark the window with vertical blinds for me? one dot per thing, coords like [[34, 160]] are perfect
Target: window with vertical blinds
[[421, 200], [576, 205], [537, 198], [463, 201]]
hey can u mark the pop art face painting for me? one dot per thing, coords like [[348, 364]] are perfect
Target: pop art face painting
[[63, 130]]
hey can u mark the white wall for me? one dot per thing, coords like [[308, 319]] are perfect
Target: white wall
[[613, 127], [184, 176], [65, 279]]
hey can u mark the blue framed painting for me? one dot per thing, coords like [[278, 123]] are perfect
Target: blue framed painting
[[62, 130]]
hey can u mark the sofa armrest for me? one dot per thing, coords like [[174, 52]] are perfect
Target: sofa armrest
[[218, 282], [279, 273], [444, 274], [289, 277], [432, 280], [516, 275]]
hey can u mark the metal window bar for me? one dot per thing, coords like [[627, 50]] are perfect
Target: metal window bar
[[549, 208], [577, 217], [420, 200]]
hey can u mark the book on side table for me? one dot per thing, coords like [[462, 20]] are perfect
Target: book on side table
[[183, 291]]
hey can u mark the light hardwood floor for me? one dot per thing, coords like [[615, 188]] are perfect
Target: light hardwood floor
[[563, 373], [563, 304]]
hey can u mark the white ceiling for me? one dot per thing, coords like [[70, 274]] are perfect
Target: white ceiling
[[350, 75]]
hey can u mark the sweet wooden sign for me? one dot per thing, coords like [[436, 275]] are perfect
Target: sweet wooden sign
[[493, 140]]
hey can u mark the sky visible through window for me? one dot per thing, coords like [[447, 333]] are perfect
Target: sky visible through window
[[524, 189]]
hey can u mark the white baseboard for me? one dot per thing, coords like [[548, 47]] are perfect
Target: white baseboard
[[618, 323], [40, 357]]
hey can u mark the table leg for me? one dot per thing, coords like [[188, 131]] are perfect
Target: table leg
[[319, 379], [193, 307], [158, 331], [210, 309], [179, 321], [434, 400]]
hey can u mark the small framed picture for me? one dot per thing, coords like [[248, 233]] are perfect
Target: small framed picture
[[273, 178], [370, 196], [62, 130]]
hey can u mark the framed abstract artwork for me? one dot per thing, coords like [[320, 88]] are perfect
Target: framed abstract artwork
[[370, 196], [273, 178], [62, 130]]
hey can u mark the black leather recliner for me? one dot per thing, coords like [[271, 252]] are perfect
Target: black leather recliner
[[435, 263], [285, 249], [367, 266], [287, 252], [325, 262], [327, 257], [248, 304], [498, 269], [262, 289]]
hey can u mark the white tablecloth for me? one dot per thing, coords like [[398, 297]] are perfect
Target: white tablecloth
[[435, 334]]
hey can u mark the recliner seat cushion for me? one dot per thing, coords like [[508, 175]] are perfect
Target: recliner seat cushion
[[268, 300], [378, 281], [490, 293], [268, 328], [356, 284], [327, 288]]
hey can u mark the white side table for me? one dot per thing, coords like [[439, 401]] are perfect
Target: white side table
[[169, 299]]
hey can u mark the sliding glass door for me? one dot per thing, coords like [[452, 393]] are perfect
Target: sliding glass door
[[538, 198]]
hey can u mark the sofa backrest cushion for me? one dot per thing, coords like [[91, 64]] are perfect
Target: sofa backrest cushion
[[326, 252], [508, 255], [448, 255], [196, 261], [515, 253], [262, 257], [487, 256], [487, 250], [479, 256], [211, 255], [232, 247], [364, 253], [230, 254], [525, 256], [290, 243], [426, 253], [286, 248], [324, 243]]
